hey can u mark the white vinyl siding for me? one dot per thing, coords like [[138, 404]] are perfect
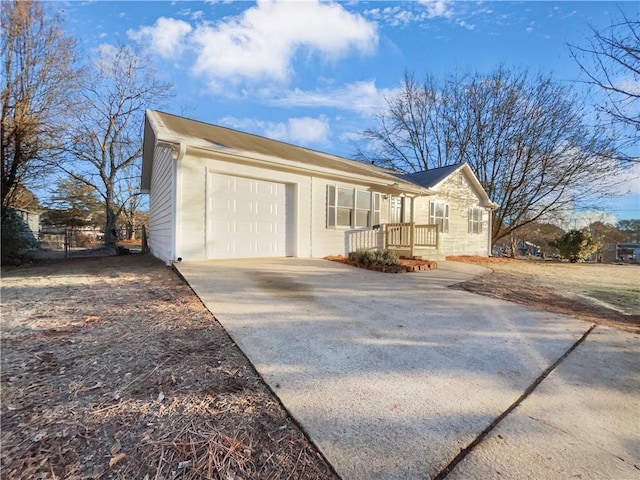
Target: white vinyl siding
[[458, 193], [439, 214], [161, 206], [475, 220]]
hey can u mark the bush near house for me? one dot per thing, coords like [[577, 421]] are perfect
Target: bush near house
[[368, 257]]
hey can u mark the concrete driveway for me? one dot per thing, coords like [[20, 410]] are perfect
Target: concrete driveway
[[399, 377]]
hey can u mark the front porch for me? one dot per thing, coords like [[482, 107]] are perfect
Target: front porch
[[406, 239], [411, 239]]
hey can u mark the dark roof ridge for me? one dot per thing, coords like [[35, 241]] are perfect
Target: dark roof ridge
[[433, 176]]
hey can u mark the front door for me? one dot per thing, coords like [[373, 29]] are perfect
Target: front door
[[396, 210]]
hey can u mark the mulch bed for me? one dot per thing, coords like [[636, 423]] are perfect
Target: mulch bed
[[406, 265], [113, 369]]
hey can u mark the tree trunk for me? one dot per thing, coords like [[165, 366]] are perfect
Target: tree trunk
[[131, 229], [110, 234], [514, 246]]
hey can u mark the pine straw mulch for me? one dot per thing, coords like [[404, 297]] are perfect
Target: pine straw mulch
[[406, 264], [112, 368], [516, 280]]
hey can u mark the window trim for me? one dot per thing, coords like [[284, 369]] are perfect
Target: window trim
[[475, 222], [332, 207], [434, 219]]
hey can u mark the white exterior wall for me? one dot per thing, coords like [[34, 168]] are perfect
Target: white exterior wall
[[191, 219], [341, 240], [187, 183], [458, 193], [161, 206], [311, 237]]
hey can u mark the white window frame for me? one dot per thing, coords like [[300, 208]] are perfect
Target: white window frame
[[475, 220], [334, 220], [442, 220]]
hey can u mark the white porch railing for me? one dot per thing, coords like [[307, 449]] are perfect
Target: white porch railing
[[409, 236], [405, 238], [365, 238]]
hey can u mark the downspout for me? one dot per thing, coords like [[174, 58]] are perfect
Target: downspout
[[177, 201], [490, 209], [310, 218], [489, 234]]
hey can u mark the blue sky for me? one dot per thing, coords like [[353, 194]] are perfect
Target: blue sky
[[314, 74]]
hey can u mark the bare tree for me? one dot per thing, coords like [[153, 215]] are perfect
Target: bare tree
[[410, 135], [40, 76], [524, 137], [106, 143], [611, 63], [73, 203], [131, 211]]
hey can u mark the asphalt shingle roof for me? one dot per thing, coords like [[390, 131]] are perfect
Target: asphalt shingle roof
[[430, 178], [170, 127]]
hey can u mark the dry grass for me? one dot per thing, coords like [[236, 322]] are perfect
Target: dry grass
[[112, 368], [605, 294]]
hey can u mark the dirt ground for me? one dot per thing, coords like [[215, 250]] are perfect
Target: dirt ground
[[112, 368], [605, 294]]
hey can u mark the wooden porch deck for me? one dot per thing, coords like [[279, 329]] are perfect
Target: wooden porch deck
[[411, 239]]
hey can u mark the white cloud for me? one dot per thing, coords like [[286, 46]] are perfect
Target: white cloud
[[629, 84], [362, 97], [628, 182], [106, 54], [466, 25], [300, 130], [164, 38], [585, 218], [263, 42], [306, 130], [399, 16], [437, 8]]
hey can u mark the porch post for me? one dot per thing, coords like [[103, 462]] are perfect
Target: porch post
[[412, 236]]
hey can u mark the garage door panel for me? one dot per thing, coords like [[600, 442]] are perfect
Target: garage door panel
[[248, 217]]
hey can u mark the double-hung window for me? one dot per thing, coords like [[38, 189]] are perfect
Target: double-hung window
[[475, 220], [439, 214], [350, 207]]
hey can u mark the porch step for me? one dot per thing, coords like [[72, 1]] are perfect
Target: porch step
[[436, 257]]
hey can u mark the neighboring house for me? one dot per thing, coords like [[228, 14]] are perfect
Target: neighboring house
[[218, 193], [628, 252], [528, 249], [30, 223]]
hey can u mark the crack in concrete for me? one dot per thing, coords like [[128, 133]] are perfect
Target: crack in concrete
[[530, 389]]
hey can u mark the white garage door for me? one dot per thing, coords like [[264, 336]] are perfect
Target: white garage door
[[248, 217]]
